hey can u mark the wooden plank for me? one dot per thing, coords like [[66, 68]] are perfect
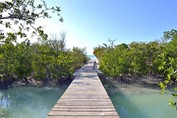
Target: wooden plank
[[84, 103], [84, 98], [84, 88], [82, 116], [85, 92], [58, 113], [82, 110], [84, 107]]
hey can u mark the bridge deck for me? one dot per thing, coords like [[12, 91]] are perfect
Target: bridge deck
[[84, 98]]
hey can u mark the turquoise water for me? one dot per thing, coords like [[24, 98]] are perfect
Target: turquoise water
[[92, 57], [132, 102], [136, 103], [29, 102]]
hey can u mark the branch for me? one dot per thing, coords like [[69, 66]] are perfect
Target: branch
[[8, 17]]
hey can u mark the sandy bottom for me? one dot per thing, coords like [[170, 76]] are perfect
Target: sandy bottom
[[146, 85], [135, 89]]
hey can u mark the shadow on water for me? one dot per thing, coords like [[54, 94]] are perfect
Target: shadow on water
[[124, 106]]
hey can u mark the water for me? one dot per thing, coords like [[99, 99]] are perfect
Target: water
[[29, 102], [130, 102], [133, 102], [92, 57]]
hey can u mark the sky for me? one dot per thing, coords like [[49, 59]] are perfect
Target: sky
[[89, 23]]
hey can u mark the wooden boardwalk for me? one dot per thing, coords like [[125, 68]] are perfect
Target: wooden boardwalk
[[84, 98]]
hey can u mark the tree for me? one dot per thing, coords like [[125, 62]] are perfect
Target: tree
[[23, 58], [7, 65], [79, 57], [41, 61], [169, 64], [57, 43], [99, 51], [20, 12], [114, 62], [143, 59], [17, 19]]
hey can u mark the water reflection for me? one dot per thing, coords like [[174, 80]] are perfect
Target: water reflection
[[4, 100], [29, 102], [135, 102]]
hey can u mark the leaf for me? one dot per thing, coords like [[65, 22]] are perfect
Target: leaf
[[174, 94], [160, 67], [7, 24], [168, 77], [171, 102], [39, 6], [162, 91], [171, 60], [162, 85], [164, 63], [175, 88], [166, 81]]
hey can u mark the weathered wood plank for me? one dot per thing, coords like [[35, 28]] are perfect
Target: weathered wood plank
[[85, 92], [84, 98], [84, 103], [82, 116], [82, 110], [84, 107], [58, 113]]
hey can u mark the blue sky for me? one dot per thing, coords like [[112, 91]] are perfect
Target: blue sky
[[89, 23]]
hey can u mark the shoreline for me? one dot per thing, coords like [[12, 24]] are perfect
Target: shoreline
[[31, 82], [37, 83], [133, 87]]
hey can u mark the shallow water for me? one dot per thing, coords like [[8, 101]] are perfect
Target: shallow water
[[92, 57], [130, 102], [29, 102], [137, 102]]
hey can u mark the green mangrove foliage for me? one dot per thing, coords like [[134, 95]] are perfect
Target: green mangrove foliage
[[78, 56], [46, 60], [40, 61], [135, 59], [157, 58]]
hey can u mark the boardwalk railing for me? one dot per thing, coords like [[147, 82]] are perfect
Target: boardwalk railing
[[84, 98]]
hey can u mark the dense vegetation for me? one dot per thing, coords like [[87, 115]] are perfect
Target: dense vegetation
[[157, 58], [47, 60]]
